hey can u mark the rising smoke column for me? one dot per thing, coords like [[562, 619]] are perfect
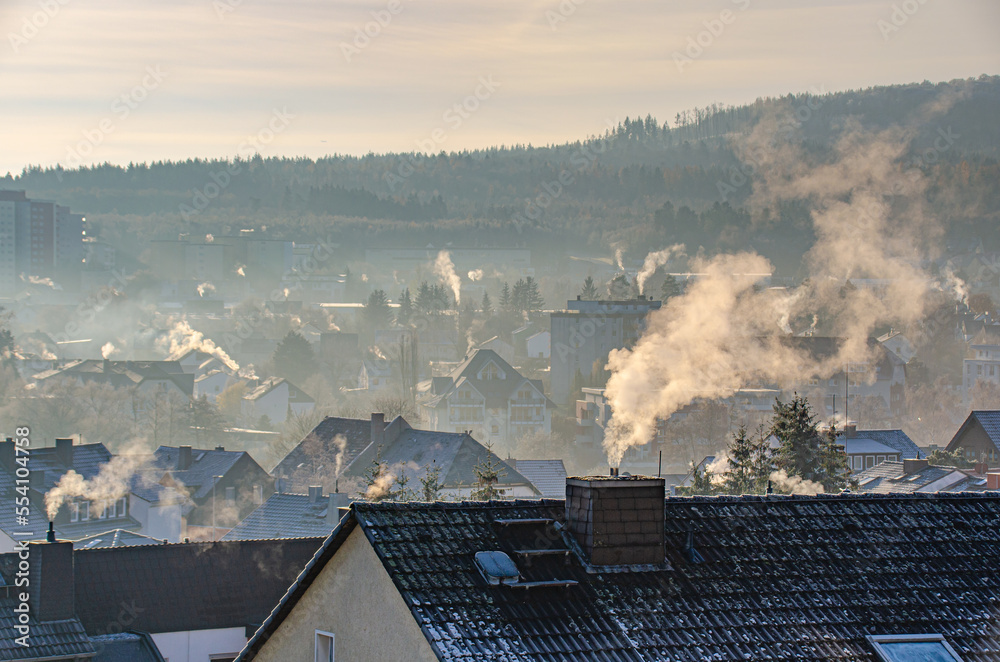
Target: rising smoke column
[[727, 331], [181, 339], [111, 483], [444, 268], [654, 260]]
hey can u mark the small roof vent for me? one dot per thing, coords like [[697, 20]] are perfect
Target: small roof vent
[[497, 568]]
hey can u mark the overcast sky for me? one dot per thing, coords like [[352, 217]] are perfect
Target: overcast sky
[[199, 77]]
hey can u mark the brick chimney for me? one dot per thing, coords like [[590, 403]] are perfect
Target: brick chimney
[[378, 429], [64, 451], [617, 520], [52, 596], [993, 480], [183, 458], [913, 465]]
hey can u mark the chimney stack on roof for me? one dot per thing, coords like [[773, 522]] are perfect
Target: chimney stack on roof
[[64, 451], [339, 504], [52, 596], [617, 520], [913, 465], [993, 480], [315, 492], [851, 430], [378, 429], [7, 454], [184, 458]]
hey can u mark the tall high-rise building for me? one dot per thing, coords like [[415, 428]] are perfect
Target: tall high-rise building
[[38, 239]]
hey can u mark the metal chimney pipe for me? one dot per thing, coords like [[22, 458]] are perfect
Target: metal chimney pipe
[[51, 537], [614, 471]]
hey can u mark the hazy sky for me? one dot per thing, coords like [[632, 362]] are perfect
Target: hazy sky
[[200, 77]]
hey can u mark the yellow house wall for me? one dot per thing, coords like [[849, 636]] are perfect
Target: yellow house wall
[[354, 599]]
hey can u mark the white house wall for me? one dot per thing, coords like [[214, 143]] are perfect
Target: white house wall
[[199, 645]]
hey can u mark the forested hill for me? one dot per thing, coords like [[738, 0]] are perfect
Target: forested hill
[[613, 185]]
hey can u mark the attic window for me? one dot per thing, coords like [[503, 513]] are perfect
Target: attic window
[[497, 568], [913, 648]]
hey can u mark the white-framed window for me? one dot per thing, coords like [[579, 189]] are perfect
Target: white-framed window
[[84, 511], [324, 646], [123, 507], [74, 511], [913, 648], [258, 494]]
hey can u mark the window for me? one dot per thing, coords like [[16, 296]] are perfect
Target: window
[[913, 648], [84, 511], [869, 461], [122, 507], [74, 512], [324, 646], [258, 494], [230, 494]]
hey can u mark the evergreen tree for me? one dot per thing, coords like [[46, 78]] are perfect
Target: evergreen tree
[[749, 465], [619, 289], [488, 472], [803, 450], [702, 482], [670, 288], [294, 358], [431, 484], [486, 306], [589, 292], [532, 297], [377, 312], [405, 311], [505, 297]]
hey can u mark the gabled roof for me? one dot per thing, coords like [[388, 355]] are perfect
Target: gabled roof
[[549, 476], [314, 459], [205, 465], [896, 440], [775, 578], [987, 419], [48, 640], [495, 391], [115, 538], [122, 373], [295, 394], [285, 516]]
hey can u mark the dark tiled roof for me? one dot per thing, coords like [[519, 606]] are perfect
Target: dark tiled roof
[[205, 465], [126, 647], [496, 392], [195, 586], [37, 522], [313, 460], [87, 461], [778, 578], [895, 439], [48, 640], [285, 516], [990, 420]]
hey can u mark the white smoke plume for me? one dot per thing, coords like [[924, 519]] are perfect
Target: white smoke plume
[[784, 483], [380, 487], [36, 280], [476, 274], [205, 288], [654, 260], [444, 268], [364, 278], [618, 259], [108, 349], [728, 331], [111, 483], [181, 339], [954, 285], [209, 238], [241, 271], [340, 441]]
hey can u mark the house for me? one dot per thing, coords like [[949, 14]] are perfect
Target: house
[[898, 344], [224, 486], [984, 365], [868, 448], [374, 375], [286, 515], [549, 476], [979, 438], [277, 398], [116, 538], [683, 578], [337, 457], [916, 476], [195, 602], [78, 517], [211, 384], [150, 378], [486, 395]]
